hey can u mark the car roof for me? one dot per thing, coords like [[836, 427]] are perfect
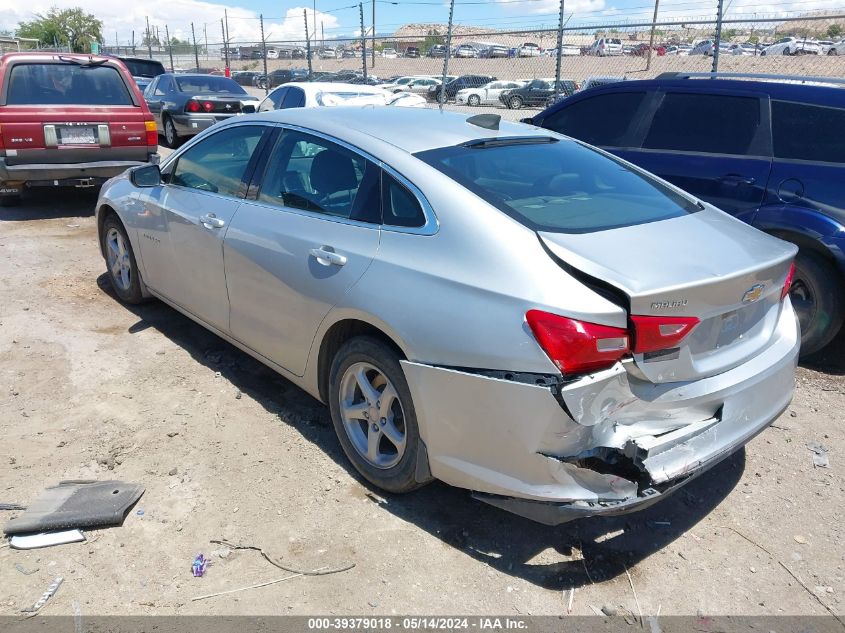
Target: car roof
[[369, 127], [44, 55], [826, 94]]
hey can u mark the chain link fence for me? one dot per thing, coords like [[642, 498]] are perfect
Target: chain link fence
[[531, 67]]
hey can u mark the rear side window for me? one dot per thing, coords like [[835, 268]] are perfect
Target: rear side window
[[714, 124], [66, 84], [295, 98], [273, 101], [558, 186], [400, 207], [808, 132], [600, 120], [143, 67], [217, 163]]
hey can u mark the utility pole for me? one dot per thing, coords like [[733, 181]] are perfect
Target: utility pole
[[133, 41], [363, 41], [718, 39], [205, 37], [194, 39], [651, 37], [149, 40], [169, 46], [307, 43], [226, 37], [559, 50], [442, 96], [314, 19], [322, 35], [225, 46], [374, 35], [264, 53]]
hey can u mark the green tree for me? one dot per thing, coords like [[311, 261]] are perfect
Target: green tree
[[65, 27], [834, 31]]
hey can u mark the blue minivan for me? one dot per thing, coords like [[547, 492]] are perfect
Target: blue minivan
[[769, 150]]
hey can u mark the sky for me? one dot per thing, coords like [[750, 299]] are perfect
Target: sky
[[339, 18]]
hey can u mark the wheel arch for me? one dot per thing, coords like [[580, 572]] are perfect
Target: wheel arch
[[344, 328], [104, 211]]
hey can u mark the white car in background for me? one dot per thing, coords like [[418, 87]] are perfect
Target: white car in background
[[606, 46], [487, 94], [401, 83], [837, 49], [793, 46], [529, 49], [327, 94], [389, 53], [567, 50]]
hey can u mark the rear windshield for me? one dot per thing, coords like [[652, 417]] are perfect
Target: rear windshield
[[208, 84], [66, 84], [144, 68], [558, 185]]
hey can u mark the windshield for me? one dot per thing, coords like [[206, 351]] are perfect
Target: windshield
[[143, 68], [67, 84], [209, 84], [558, 185]]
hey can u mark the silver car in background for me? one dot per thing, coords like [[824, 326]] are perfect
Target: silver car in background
[[485, 303]]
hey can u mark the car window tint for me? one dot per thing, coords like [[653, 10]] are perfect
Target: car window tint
[[310, 173], [559, 186], [161, 87], [599, 120], [400, 207], [209, 84], [217, 163], [295, 98], [717, 124], [808, 132], [66, 84], [273, 101]]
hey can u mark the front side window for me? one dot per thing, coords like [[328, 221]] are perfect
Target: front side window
[[558, 185], [715, 124], [312, 174], [808, 132], [295, 98], [217, 164], [601, 120], [67, 84]]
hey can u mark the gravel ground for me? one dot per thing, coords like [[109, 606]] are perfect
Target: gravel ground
[[93, 389]]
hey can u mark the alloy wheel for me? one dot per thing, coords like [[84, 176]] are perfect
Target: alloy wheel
[[117, 253], [169, 132], [473, 100], [372, 414]]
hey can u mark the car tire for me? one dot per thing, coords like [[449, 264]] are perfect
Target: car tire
[[817, 301], [371, 360], [833, 52], [515, 103], [786, 52], [171, 136], [121, 266], [474, 101]]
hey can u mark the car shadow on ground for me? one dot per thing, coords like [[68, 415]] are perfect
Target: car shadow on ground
[[572, 555], [50, 203]]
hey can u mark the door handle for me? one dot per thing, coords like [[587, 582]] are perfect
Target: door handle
[[736, 179], [327, 258], [211, 221]]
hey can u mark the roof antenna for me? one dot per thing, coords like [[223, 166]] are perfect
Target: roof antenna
[[487, 121]]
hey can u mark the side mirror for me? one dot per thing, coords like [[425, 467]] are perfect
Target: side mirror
[[529, 120], [248, 109], [146, 176]]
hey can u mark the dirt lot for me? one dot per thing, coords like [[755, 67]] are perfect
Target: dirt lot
[[92, 389]]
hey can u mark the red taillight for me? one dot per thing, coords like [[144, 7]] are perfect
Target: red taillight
[[192, 106], [652, 333], [152, 132], [577, 346], [207, 106], [788, 283]]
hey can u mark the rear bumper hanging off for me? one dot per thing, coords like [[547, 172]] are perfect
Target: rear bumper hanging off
[[606, 443]]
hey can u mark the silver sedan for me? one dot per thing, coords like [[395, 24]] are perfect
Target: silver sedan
[[485, 303]]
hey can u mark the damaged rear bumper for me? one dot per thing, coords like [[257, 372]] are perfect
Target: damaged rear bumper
[[606, 443]]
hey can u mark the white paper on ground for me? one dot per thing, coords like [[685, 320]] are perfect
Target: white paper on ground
[[46, 539]]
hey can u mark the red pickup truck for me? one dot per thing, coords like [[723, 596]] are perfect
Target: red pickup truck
[[69, 120]]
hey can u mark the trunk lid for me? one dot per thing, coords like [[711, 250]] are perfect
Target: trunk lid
[[705, 265], [222, 104]]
